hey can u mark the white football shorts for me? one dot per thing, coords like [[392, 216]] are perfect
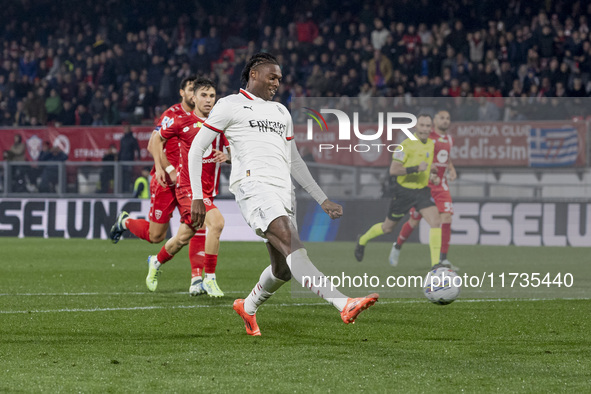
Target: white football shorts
[[261, 203]]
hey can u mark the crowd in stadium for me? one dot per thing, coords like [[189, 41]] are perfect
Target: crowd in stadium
[[105, 63]]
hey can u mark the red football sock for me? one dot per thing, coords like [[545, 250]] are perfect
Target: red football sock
[[405, 232], [139, 227], [445, 236], [211, 261], [163, 256], [197, 253]]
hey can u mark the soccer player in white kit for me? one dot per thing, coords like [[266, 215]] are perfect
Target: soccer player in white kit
[[260, 133]]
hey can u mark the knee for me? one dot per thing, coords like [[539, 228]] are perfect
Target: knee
[[156, 237], [387, 227], [216, 228]]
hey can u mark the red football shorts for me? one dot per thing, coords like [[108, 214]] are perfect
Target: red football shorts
[[162, 202], [185, 198], [442, 199], [414, 214]]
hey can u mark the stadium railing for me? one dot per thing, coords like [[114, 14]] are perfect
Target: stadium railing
[[116, 179]]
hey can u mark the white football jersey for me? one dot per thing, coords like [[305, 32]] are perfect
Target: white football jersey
[[259, 133]]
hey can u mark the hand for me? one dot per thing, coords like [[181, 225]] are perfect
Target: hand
[[452, 174], [172, 176], [333, 209], [219, 156], [160, 175], [435, 179], [197, 213], [423, 166]]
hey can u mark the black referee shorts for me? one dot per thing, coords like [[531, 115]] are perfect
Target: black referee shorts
[[404, 199]]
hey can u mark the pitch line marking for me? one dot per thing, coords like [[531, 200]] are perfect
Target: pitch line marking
[[140, 308]]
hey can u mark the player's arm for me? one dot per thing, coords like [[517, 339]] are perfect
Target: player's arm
[[169, 168], [156, 149], [451, 171], [397, 168], [200, 143], [301, 174]]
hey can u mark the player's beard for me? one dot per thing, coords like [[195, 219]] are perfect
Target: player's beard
[[190, 105]]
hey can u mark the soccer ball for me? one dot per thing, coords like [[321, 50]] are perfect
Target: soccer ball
[[440, 287]]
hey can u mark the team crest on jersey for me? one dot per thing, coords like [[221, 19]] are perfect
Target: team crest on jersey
[[186, 129], [207, 201], [427, 154], [158, 214], [280, 110], [442, 156], [198, 124]]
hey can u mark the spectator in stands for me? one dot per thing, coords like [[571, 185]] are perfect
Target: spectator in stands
[[379, 34], [68, 116], [50, 173], [129, 150], [53, 105], [83, 117], [141, 186], [108, 172], [379, 70]]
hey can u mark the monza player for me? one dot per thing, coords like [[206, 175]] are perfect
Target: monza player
[[412, 168], [440, 193], [260, 133], [185, 127], [163, 200]]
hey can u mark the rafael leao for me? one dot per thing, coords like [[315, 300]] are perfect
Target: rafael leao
[[264, 157]]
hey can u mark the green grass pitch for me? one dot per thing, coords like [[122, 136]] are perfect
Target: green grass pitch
[[75, 316]]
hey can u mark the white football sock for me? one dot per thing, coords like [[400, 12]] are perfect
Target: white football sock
[[302, 268], [268, 284], [209, 276]]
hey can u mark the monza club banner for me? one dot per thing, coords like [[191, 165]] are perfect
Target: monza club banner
[[475, 144], [79, 143]]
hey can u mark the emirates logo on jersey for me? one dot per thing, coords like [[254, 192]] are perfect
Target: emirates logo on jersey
[[268, 126]]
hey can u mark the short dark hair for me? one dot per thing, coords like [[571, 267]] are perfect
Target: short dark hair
[[203, 82], [255, 61], [424, 115], [186, 80]]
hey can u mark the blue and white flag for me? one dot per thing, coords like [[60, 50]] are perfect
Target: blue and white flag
[[553, 147]]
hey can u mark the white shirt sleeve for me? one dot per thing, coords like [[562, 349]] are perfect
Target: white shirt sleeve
[[220, 116], [201, 142], [301, 174]]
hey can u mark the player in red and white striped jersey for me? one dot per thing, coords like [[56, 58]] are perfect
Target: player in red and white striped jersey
[[440, 193]]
